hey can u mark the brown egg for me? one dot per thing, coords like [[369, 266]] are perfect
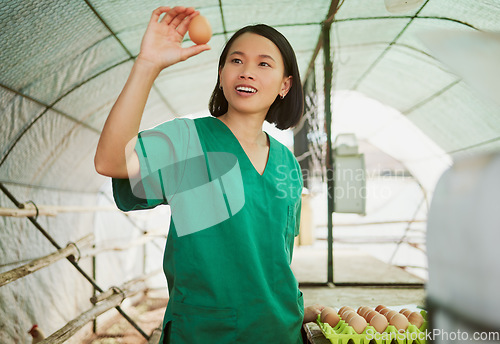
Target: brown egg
[[358, 323], [199, 29], [365, 310], [325, 311], [379, 322], [349, 316], [390, 314], [360, 309], [406, 312], [379, 308], [332, 319], [416, 319], [384, 311], [344, 310], [370, 315], [399, 321]]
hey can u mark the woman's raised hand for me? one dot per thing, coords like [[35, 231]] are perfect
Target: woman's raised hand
[[161, 44]]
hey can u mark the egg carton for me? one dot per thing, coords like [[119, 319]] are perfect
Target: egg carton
[[345, 334]]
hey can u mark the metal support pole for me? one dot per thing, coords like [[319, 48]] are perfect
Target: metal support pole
[[94, 291], [328, 69]]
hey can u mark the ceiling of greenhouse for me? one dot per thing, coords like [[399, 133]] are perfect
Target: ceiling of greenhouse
[[63, 63]]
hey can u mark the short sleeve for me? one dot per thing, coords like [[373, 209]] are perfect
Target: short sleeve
[[162, 151]]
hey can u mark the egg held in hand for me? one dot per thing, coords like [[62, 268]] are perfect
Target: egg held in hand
[[199, 29]]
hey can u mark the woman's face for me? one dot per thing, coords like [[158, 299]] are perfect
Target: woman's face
[[253, 74]]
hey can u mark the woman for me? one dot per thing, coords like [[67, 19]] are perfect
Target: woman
[[234, 191]]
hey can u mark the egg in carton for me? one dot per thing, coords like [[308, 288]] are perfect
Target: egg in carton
[[369, 326]]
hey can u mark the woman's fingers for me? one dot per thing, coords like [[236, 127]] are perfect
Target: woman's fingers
[[180, 17], [184, 25], [157, 13], [175, 15]]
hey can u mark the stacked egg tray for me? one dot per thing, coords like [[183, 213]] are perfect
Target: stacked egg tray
[[345, 334]]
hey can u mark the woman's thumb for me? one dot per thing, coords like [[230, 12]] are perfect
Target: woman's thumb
[[193, 50]]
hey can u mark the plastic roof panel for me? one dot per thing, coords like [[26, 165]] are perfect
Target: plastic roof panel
[[16, 113], [276, 13], [474, 120], [303, 40], [53, 144], [353, 9], [198, 89], [96, 92], [402, 79], [131, 37], [130, 15], [412, 35], [352, 62], [42, 37], [368, 31], [400, 71], [481, 14]]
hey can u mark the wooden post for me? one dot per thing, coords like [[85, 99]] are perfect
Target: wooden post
[[50, 210], [40, 263], [105, 301], [63, 334], [128, 289], [139, 241], [155, 336]]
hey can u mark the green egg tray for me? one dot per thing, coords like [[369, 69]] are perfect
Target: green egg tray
[[345, 334]]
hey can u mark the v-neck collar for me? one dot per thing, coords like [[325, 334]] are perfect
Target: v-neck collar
[[271, 145]]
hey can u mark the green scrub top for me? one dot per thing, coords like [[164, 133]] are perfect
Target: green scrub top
[[230, 282]]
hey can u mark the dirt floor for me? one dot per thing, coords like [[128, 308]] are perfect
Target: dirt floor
[[147, 313]]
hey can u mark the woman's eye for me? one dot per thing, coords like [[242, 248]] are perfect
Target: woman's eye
[[236, 61], [265, 64]]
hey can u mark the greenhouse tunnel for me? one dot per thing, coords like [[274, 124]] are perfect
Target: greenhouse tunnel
[[416, 82]]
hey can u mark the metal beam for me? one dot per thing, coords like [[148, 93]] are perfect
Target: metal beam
[[327, 86], [328, 21]]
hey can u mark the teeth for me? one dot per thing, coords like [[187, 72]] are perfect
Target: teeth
[[246, 89]]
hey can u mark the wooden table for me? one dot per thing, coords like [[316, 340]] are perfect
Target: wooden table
[[314, 334]]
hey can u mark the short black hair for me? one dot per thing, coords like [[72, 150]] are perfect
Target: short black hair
[[284, 113]]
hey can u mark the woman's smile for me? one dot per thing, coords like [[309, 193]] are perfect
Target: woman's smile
[[245, 90]]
